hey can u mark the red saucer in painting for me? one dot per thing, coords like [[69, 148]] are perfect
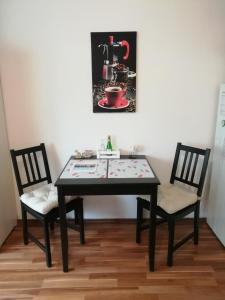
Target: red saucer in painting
[[122, 103]]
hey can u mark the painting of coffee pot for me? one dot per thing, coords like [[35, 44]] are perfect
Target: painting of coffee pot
[[114, 71]]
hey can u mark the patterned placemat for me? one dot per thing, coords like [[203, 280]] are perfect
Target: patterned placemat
[[85, 168], [129, 168]]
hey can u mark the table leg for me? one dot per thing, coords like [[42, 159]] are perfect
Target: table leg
[[63, 229], [152, 230]]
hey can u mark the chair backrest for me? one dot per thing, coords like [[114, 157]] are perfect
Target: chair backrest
[[193, 167], [32, 163]]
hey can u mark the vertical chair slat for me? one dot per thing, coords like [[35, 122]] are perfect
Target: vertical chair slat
[[31, 167], [37, 166], [46, 163], [203, 173], [189, 166], [26, 169], [175, 163], [17, 173], [184, 164], [194, 168]]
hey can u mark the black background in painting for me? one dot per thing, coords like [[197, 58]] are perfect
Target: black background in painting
[[98, 58]]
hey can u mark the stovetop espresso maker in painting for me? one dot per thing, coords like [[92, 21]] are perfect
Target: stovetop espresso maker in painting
[[114, 71]]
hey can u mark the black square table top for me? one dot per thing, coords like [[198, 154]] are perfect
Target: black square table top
[[115, 183]]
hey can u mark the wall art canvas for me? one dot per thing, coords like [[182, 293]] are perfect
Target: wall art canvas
[[113, 71]]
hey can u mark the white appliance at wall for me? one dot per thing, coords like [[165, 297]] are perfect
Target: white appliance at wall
[[216, 205], [7, 196]]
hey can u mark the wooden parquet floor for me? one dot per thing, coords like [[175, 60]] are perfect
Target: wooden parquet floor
[[112, 266]]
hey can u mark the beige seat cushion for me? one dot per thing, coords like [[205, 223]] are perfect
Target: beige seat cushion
[[42, 199], [173, 198]]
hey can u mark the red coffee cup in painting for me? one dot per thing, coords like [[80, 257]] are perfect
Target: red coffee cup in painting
[[114, 94]]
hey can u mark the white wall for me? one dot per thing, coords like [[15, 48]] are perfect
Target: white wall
[[7, 195], [46, 77]]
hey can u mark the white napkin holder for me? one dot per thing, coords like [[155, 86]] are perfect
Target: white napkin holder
[[103, 154]]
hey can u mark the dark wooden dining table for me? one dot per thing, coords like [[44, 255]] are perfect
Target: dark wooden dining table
[[108, 186]]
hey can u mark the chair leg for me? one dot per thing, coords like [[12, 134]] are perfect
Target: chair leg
[[52, 226], [196, 223], [139, 220], [171, 228], [25, 225], [47, 244], [76, 217], [80, 215]]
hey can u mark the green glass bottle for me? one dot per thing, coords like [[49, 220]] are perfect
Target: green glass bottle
[[109, 144]]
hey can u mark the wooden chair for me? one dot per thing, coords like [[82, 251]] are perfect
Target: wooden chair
[[177, 201], [31, 168]]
